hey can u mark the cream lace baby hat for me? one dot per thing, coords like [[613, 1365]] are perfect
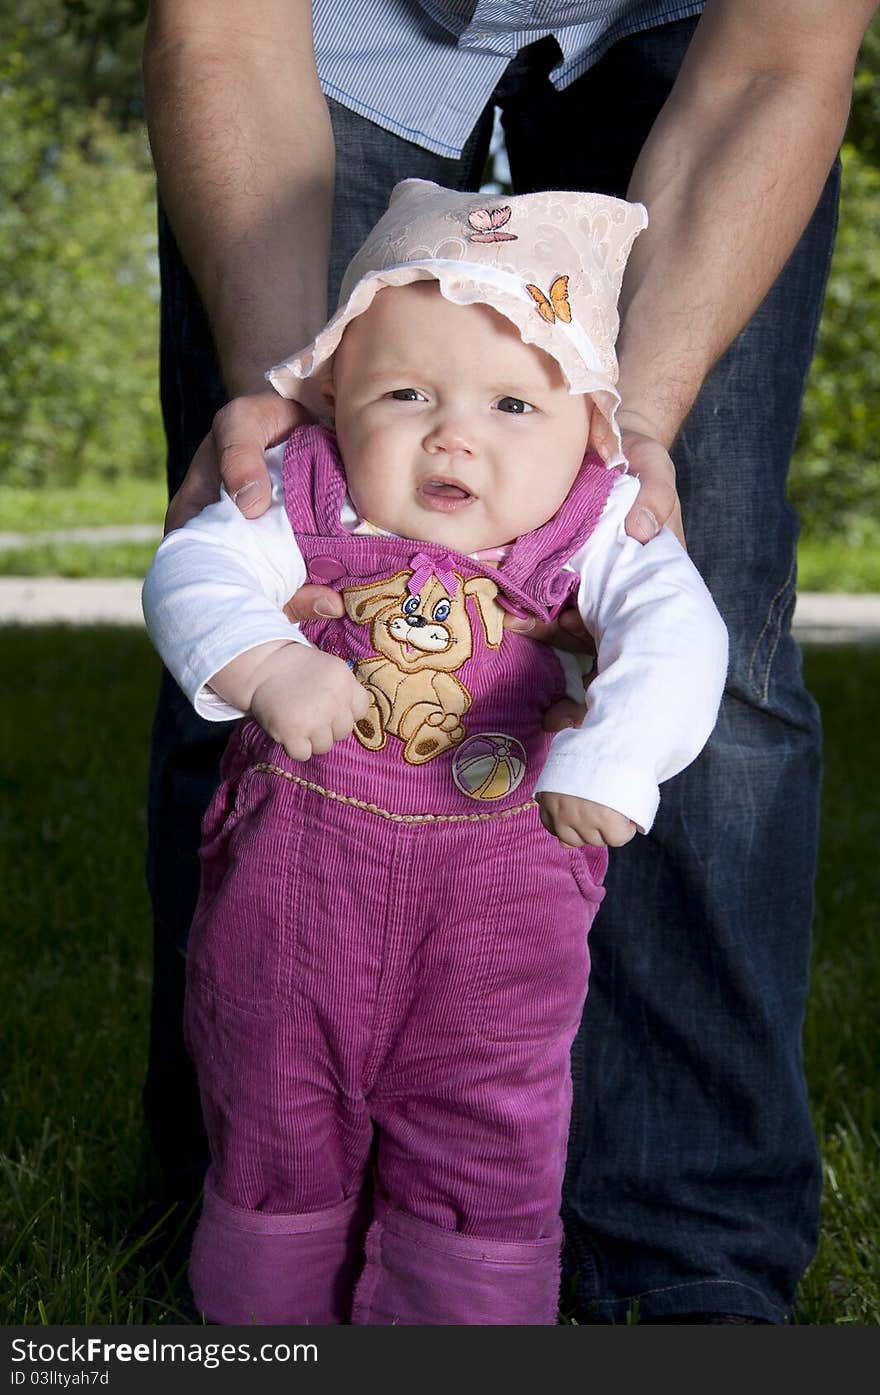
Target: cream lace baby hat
[[551, 263]]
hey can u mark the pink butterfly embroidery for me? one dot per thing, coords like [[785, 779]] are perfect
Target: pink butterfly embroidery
[[487, 225]]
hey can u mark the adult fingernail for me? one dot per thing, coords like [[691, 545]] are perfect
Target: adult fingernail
[[646, 525], [325, 608], [239, 493], [248, 497], [522, 624]]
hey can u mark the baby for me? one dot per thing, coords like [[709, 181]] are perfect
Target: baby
[[389, 957]]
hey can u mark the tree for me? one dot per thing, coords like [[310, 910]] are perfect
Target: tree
[[835, 479], [79, 284], [863, 130], [89, 50]]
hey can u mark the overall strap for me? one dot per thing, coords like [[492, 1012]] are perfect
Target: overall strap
[[314, 481], [537, 559]]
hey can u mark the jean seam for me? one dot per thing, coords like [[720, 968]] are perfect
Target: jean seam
[[691, 1284], [775, 616], [585, 1275]]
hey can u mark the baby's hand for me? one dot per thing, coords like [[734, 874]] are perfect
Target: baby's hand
[[577, 821], [307, 700]]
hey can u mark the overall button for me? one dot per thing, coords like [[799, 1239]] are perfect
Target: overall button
[[326, 569]]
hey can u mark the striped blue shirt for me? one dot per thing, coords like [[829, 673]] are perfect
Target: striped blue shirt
[[425, 69]]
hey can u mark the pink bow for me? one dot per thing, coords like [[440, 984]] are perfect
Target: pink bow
[[440, 567]]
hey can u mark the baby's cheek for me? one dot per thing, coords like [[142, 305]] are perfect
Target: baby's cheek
[[375, 490]]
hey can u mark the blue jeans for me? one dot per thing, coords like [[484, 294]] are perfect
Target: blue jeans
[[693, 1178]]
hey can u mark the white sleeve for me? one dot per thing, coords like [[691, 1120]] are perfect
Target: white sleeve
[[217, 587], [661, 665]]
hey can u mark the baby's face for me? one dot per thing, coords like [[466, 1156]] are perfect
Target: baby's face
[[452, 429]]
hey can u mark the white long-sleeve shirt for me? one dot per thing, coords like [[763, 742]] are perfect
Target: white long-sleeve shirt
[[217, 587]]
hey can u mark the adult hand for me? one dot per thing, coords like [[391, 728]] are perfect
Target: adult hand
[[656, 505], [651, 464], [233, 452]]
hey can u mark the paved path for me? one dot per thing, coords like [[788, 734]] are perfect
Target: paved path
[[45, 600], [820, 618]]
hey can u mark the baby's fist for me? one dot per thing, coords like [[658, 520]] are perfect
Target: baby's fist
[[307, 700], [577, 821]]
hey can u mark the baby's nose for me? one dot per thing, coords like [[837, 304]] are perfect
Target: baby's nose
[[452, 436]]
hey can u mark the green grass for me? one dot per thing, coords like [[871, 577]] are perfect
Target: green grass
[[88, 505], [835, 565], [843, 1284], [74, 954], [116, 559]]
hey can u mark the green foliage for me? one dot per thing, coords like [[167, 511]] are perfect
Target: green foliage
[[836, 563], [79, 283], [106, 21], [835, 476], [835, 481], [863, 130], [88, 49]]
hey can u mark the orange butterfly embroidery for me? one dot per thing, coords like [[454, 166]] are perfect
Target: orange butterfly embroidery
[[557, 307], [488, 224]]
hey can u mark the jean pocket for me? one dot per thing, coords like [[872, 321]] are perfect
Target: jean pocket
[[243, 940]]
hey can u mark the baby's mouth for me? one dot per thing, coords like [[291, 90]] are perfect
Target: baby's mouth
[[446, 495]]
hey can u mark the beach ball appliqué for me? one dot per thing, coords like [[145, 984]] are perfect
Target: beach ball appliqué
[[489, 766]]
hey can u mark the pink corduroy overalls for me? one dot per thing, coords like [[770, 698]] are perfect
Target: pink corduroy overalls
[[389, 958]]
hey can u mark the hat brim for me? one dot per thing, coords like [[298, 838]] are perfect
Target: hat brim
[[302, 376]]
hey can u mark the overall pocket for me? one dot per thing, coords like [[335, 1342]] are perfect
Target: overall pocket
[[531, 981], [243, 939]]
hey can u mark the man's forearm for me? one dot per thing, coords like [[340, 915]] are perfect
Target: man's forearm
[[730, 174], [243, 148]]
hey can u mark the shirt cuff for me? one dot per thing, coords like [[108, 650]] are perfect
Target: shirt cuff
[[196, 685], [569, 770]]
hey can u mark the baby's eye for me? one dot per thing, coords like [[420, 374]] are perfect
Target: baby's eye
[[514, 405], [406, 395]]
